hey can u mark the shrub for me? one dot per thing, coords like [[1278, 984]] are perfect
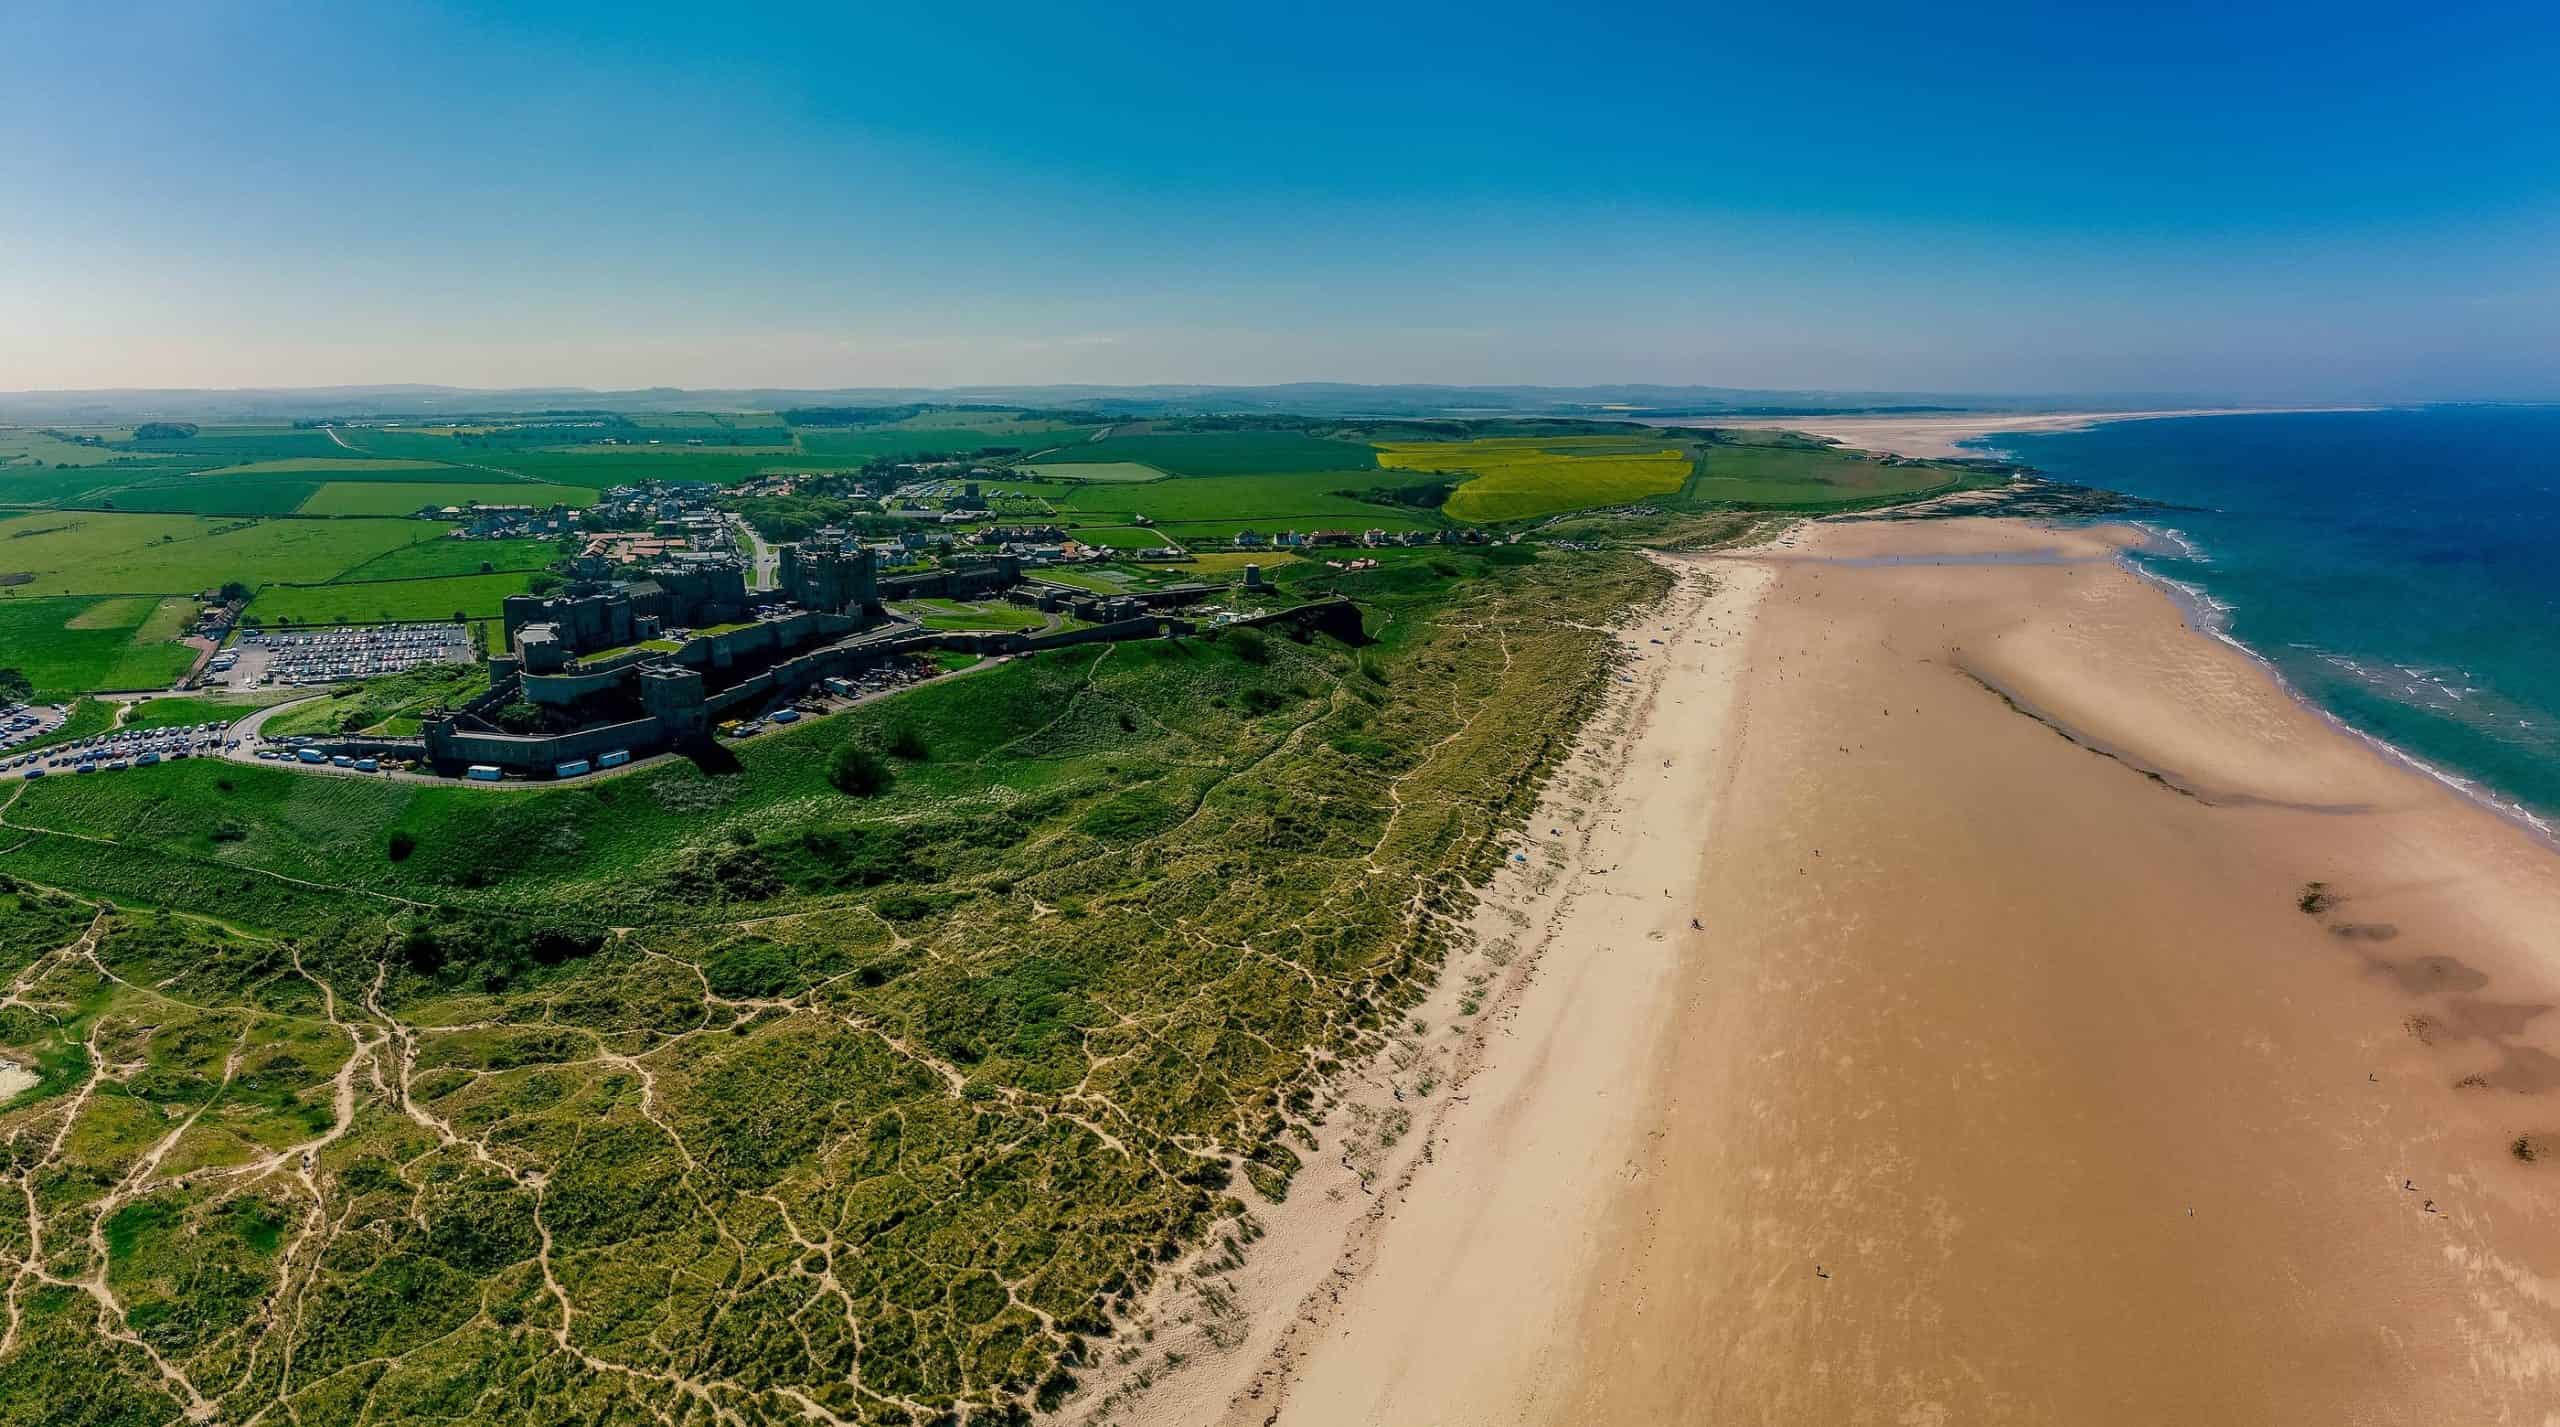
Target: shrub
[[905, 742], [1251, 645], [402, 844], [858, 772]]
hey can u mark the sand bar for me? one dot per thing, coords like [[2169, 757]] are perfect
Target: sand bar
[[1938, 435], [2005, 1079]]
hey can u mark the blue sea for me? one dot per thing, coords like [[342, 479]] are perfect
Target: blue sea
[[2401, 569]]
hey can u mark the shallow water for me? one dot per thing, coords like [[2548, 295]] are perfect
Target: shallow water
[[2397, 567]]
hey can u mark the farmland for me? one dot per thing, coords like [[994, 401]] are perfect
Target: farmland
[[1785, 476], [70, 645], [82, 552], [385, 498], [472, 596], [1107, 471], [1512, 478], [1221, 453]]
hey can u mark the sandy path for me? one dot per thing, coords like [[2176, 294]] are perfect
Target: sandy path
[[2007, 1081]]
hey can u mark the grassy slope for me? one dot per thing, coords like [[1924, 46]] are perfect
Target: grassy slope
[[994, 1036]]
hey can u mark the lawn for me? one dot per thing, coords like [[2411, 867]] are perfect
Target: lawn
[[971, 614], [73, 646], [407, 498], [94, 552], [375, 601], [1514, 478], [1106, 471]]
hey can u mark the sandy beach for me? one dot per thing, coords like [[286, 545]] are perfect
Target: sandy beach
[[2073, 1028], [1927, 436]]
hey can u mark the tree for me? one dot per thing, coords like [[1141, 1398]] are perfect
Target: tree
[[16, 687], [858, 772]]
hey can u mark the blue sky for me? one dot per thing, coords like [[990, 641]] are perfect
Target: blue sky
[[2255, 201]]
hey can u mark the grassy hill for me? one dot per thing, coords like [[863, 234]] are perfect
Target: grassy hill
[[713, 1089]]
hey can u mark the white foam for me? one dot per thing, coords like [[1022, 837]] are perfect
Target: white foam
[[2190, 596]]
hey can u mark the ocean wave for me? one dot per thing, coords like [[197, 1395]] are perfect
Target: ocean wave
[[2211, 614]]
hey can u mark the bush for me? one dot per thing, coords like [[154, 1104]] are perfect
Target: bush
[[402, 844], [858, 772], [905, 742], [1251, 645]]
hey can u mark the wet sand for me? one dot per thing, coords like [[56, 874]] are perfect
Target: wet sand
[[2007, 1078]]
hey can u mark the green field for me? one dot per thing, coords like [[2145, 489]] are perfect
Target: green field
[[907, 441], [198, 495], [386, 498], [27, 446], [1093, 471], [88, 552], [39, 485], [1304, 498], [1513, 478], [1123, 537], [448, 556], [375, 601], [1223, 453], [73, 646], [336, 467], [1771, 475]]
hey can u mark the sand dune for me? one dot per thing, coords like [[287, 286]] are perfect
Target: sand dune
[[2006, 1078]]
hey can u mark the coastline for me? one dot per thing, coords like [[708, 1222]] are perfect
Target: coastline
[[1227, 1339], [1947, 966], [1942, 437], [2210, 616]]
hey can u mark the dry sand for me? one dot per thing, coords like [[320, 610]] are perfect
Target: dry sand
[[1938, 435], [2003, 1012]]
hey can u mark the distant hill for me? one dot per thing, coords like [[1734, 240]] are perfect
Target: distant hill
[[1302, 398]]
